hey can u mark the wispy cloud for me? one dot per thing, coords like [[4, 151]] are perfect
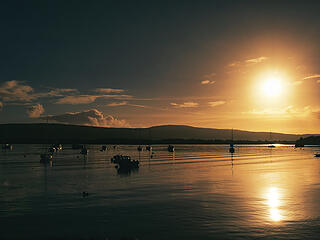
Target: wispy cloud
[[234, 64], [288, 111], [247, 62], [208, 79], [108, 90], [86, 99], [256, 60], [216, 103], [79, 99], [91, 117], [312, 76], [35, 111], [185, 105], [117, 104], [59, 92], [204, 82], [297, 83], [125, 103]]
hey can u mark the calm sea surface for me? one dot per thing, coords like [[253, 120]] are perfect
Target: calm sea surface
[[198, 192]]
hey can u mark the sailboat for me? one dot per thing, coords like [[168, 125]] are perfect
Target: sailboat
[[149, 147], [231, 148], [84, 150], [271, 145], [47, 155]]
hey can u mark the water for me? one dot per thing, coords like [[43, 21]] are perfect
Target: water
[[198, 192]]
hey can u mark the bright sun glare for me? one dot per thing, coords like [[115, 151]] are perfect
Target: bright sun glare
[[272, 85]]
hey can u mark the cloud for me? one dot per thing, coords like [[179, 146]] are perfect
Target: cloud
[[204, 82], [288, 111], [79, 99], [256, 60], [248, 62], [86, 99], [312, 76], [35, 111], [185, 105], [108, 90], [59, 92], [91, 117], [216, 103], [16, 91], [234, 64], [208, 79], [1, 106], [116, 104]]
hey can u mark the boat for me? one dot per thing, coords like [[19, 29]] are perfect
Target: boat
[[46, 157], [47, 154], [139, 148], [103, 148], [52, 149], [84, 151], [297, 145], [231, 148], [149, 147], [125, 164], [271, 145], [58, 147], [170, 148], [7, 146]]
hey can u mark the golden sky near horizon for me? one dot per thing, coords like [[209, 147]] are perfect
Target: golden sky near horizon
[[243, 65]]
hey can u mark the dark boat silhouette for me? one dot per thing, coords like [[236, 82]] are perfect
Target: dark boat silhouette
[[171, 148], [231, 148], [46, 157], [84, 151], [125, 164], [297, 145], [271, 144], [7, 146], [103, 148]]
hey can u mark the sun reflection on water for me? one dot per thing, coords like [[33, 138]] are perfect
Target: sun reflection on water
[[274, 202]]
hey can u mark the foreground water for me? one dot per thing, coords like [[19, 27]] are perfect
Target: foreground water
[[198, 192]]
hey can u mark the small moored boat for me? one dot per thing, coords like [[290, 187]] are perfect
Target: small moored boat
[[170, 148], [84, 151], [45, 157], [7, 146]]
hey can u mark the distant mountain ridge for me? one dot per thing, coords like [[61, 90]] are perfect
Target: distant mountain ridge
[[42, 132]]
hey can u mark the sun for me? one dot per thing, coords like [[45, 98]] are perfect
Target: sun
[[271, 84]]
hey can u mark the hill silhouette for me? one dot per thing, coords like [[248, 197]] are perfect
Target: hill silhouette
[[62, 133]]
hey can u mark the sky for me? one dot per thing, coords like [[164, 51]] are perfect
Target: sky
[[250, 65]]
